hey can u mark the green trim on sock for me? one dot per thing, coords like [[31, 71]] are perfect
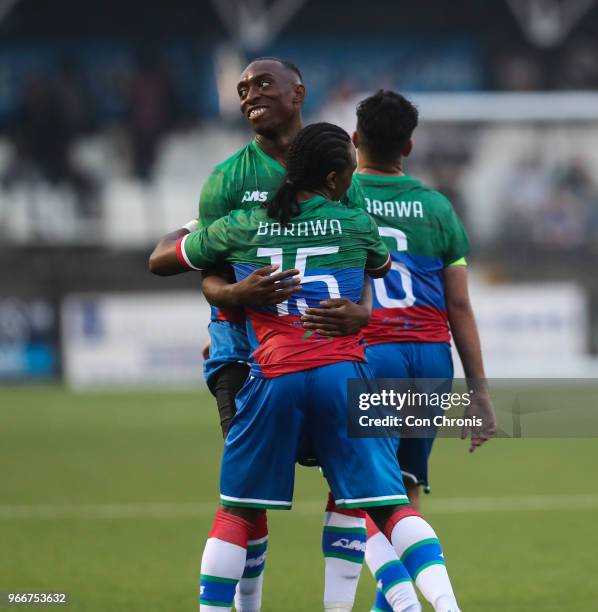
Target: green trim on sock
[[358, 530], [417, 545], [383, 567], [254, 547], [218, 579], [343, 557], [254, 574]]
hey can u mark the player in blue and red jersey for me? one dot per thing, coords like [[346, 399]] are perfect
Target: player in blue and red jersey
[[417, 305], [299, 380], [271, 94]]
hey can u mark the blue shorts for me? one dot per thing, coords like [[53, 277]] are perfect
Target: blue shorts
[[229, 344], [274, 415], [413, 360]]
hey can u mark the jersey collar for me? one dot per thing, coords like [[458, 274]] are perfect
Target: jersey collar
[[315, 201], [385, 178], [266, 157]]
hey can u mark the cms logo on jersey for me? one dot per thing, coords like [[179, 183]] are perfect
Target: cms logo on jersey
[[255, 196], [349, 544]]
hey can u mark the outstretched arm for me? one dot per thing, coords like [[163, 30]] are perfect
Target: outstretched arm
[[465, 333], [261, 288], [213, 205], [164, 260]]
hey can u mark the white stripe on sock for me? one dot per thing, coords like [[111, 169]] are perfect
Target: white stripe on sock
[[413, 529], [433, 581], [335, 519], [341, 577], [223, 559]]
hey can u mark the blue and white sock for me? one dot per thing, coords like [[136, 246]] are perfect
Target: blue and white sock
[[248, 597], [392, 578], [417, 545], [223, 562], [380, 603], [343, 545]]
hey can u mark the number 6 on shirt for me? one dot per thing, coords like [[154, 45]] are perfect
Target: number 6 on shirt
[[379, 283]]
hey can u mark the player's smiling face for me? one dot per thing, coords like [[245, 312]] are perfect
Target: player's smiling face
[[270, 95]]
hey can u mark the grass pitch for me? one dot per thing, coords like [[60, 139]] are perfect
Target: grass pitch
[[110, 497]]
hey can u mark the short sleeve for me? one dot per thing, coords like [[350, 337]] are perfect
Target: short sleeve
[[455, 239], [378, 258], [214, 201], [206, 247]]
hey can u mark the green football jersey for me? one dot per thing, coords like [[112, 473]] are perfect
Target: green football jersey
[[248, 179], [330, 243], [424, 235]]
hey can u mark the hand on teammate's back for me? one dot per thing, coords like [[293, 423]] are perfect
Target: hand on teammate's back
[[337, 317], [481, 407], [265, 288]]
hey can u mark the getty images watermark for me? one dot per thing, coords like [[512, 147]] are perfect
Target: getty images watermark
[[416, 409], [429, 407]]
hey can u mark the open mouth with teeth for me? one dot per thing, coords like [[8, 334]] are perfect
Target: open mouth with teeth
[[257, 111]]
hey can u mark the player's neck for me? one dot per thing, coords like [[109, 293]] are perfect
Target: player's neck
[[304, 195], [277, 146], [366, 166]]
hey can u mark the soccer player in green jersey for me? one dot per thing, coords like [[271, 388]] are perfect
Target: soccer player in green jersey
[[271, 94], [299, 381], [416, 306]]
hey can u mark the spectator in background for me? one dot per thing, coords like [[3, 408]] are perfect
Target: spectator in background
[[525, 202], [518, 72], [562, 226], [43, 133], [555, 208], [576, 179], [445, 174], [152, 111], [337, 107], [74, 99], [579, 66]]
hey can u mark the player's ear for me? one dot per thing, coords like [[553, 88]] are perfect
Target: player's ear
[[407, 148], [355, 139], [331, 180], [299, 93]]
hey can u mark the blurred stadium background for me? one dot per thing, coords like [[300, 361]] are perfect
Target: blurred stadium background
[[112, 114]]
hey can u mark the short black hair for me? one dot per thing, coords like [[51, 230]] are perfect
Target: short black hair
[[292, 67], [385, 123]]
